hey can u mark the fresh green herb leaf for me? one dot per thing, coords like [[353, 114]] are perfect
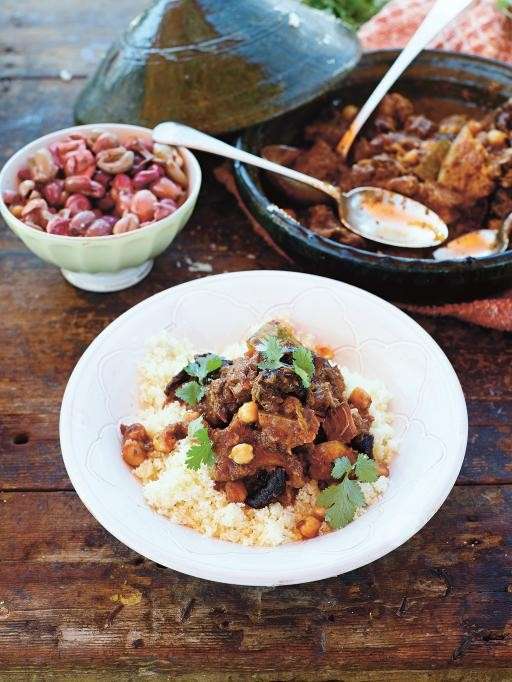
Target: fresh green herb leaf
[[341, 467], [201, 367], [340, 507], [303, 365], [273, 350], [353, 491], [342, 500], [201, 452], [366, 469], [191, 392], [194, 426]]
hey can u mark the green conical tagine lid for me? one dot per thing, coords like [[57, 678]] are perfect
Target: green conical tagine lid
[[218, 65]]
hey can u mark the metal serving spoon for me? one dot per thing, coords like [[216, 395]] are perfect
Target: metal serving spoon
[[477, 244], [441, 14], [374, 213]]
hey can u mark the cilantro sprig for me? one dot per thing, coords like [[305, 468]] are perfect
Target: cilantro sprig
[[191, 392], [303, 365], [200, 368], [201, 452], [343, 499], [273, 351]]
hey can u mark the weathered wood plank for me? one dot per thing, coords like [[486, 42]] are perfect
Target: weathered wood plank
[[443, 600], [42, 38], [326, 675]]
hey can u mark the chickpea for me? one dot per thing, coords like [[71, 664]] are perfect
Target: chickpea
[[349, 112], [16, 210], [309, 527], [319, 512], [134, 452], [248, 413], [324, 352], [360, 399], [242, 453], [496, 138], [134, 431], [161, 443], [235, 491], [383, 469]]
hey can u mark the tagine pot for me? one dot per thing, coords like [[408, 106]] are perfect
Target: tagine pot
[[218, 65]]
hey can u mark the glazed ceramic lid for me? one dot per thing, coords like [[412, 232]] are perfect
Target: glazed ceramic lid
[[218, 65]]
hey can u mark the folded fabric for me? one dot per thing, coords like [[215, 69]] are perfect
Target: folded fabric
[[482, 29]]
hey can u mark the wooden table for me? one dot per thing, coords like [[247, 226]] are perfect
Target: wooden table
[[441, 603]]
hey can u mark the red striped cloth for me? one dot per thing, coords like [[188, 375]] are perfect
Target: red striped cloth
[[482, 29]]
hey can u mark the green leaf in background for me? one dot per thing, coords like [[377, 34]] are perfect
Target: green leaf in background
[[352, 12]]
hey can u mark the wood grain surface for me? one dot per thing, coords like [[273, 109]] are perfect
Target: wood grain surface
[[438, 608]]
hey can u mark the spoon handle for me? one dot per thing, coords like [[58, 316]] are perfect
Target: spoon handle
[[441, 14], [181, 135]]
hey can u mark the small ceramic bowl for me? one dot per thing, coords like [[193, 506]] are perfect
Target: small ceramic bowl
[[100, 264]]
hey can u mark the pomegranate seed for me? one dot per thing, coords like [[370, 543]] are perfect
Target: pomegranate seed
[[9, 196], [106, 140], [121, 182], [99, 228], [77, 203], [127, 223], [78, 162], [123, 202], [143, 205], [165, 188], [84, 185], [164, 208], [145, 177], [102, 177], [106, 203], [58, 225], [52, 192], [24, 174], [81, 221]]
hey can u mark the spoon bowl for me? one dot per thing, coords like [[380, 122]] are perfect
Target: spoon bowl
[[392, 219], [376, 214], [477, 244]]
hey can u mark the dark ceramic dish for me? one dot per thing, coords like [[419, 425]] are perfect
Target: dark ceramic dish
[[218, 65], [443, 81]]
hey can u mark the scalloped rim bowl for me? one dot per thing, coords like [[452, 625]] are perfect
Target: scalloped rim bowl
[[105, 263], [368, 335]]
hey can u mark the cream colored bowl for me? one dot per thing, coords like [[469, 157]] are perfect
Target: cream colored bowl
[[106, 263]]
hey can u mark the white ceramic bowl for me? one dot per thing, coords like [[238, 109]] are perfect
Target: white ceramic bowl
[[369, 336], [100, 263]]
